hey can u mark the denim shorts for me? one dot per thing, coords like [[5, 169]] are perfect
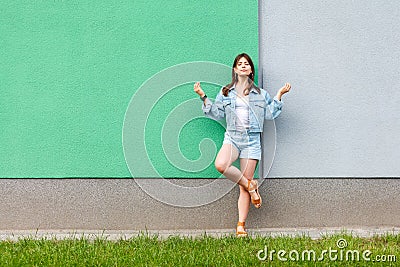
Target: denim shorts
[[248, 144]]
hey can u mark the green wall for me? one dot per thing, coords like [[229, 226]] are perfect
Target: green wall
[[70, 68]]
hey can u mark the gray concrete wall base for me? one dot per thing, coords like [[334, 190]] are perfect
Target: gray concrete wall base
[[119, 204]]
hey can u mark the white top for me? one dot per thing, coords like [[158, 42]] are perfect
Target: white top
[[242, 112]]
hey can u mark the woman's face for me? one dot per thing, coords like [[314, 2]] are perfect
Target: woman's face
[[243, 67]]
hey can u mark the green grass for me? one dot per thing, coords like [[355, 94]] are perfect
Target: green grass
[[145, 250]]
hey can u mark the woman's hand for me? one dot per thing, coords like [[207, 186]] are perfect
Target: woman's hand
[[198, 90], [283, 90]]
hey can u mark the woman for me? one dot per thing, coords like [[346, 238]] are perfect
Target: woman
[[245, 107]]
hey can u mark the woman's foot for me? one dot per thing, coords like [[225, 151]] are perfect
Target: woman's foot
[[252, 187], [240, 231]]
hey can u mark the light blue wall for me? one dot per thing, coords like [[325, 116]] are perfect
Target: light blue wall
[[342, 118]]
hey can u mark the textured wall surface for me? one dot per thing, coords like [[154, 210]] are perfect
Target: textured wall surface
[[118, 204], [70, 68], [321, 202], [342, 117]]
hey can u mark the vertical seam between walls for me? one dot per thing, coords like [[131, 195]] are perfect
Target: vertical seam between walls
[[260, 76]]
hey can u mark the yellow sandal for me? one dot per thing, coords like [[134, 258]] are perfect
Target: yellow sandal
[[256, 202], [240, 233]]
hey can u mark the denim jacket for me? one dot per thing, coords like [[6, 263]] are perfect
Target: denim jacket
[[261, 107]]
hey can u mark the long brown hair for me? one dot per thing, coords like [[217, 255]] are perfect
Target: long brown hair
[[246, 91]]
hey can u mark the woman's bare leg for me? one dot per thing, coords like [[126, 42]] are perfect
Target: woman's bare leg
[[248, 167], [226, 156]]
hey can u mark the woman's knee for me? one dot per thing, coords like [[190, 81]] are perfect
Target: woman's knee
[[221, 166]]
